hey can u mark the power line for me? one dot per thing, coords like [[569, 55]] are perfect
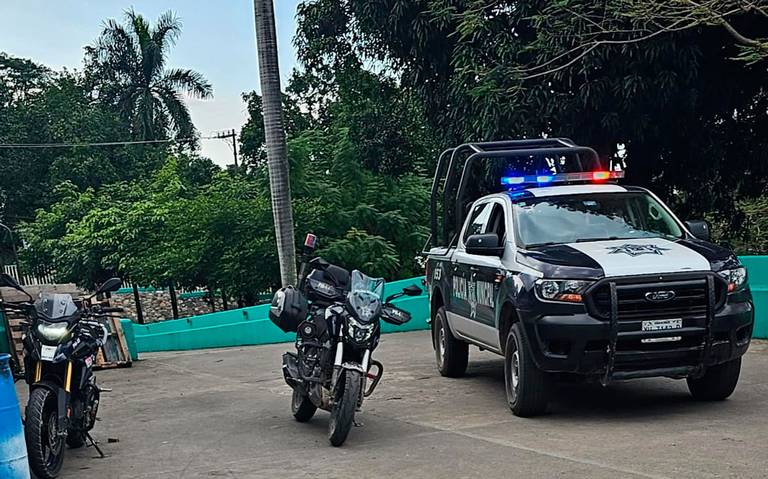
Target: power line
[[106, 143]]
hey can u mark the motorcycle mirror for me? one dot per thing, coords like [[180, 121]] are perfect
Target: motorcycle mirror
[[412, 290], [9, 281], [110, 285], [319, 263]]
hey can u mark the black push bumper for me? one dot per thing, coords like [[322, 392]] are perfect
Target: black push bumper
[[604, 344]]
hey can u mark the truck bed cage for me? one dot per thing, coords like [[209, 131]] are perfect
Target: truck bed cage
[[467, 155]]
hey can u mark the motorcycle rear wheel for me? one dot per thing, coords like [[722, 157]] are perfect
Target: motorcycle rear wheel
[[343, 411], [301, 407]]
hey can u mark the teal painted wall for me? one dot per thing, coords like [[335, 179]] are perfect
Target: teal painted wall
[[757, 276], [251, 326]]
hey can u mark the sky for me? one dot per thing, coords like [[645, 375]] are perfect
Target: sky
[[218, 40]]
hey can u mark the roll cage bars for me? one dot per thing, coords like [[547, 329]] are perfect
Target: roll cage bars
[[464, 156]]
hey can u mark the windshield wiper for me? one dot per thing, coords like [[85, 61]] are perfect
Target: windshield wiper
[[538, 245], [587, 240]]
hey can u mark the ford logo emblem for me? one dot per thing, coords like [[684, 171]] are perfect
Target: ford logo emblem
[[659, 296]]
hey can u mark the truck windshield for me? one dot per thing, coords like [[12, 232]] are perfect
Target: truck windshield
[[582, 218]]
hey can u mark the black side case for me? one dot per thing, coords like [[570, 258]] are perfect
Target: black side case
[[288, 309]]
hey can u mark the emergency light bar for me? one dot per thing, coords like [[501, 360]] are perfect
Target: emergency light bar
[[592, 176]]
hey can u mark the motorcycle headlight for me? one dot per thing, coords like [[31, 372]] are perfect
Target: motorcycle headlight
[[54, 332], [736, 278], [565, 290], [357, 331]]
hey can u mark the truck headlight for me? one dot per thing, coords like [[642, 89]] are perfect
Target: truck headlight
[[53, 332], [736, 278], [565, 290]]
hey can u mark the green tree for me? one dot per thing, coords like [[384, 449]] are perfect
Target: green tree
[[127, 65], [40, 106], [687, 114]]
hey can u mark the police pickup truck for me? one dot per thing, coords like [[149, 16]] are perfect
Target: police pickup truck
[[538, 255]]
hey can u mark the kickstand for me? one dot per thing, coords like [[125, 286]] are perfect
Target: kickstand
[[96, 446]]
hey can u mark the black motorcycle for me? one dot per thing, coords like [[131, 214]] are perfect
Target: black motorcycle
[[61, 339], [336, 316]]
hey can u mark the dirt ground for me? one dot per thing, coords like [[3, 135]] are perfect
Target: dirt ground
[[226, 413]]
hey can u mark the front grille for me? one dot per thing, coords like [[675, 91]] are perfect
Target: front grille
[[689, 301], [684, 296]]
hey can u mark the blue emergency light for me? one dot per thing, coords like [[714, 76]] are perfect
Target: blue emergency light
[[590, 176]]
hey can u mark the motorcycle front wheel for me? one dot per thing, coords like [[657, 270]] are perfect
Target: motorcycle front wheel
[[45, 446], [343, 411]]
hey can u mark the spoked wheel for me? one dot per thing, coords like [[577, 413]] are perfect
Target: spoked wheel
[[302, 407], [343, 412], [527, 386], [45, 446]]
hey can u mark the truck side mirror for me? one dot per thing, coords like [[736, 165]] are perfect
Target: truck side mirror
[[484, 245], [699, 229]]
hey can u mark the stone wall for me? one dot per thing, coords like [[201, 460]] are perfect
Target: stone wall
[[156, 305]]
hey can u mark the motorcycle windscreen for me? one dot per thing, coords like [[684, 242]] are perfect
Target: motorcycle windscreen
[[365, 298], [55, 306], [361, 282]]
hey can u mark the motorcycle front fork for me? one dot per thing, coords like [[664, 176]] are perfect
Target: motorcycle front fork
[[339, 365]]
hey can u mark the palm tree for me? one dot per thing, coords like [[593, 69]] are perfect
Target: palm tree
[[127, 62], [274, 132]]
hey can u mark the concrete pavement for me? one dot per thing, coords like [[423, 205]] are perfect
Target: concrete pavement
[[226, 413]]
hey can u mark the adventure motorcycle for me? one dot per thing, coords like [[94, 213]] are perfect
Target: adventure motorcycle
[[337, 319], [61, 339]]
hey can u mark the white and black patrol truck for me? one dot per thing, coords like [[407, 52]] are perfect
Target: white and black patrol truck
[[537, 253]]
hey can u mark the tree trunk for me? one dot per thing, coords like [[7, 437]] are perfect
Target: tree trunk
[[174, 301], [277, 155], [137, 300]]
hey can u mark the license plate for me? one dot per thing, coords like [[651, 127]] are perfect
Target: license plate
[[669, 339], [662, 324], [47, 353]]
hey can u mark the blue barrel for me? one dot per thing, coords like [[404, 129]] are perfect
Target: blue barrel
[[13, 449]]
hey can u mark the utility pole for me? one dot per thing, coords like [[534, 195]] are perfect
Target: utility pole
[[230, 135], [274, 131]]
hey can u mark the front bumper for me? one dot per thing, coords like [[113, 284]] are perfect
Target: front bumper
[[578, 342]]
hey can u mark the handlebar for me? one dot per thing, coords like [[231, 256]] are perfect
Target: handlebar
[[111, 310], [95, 324], [15, 306]]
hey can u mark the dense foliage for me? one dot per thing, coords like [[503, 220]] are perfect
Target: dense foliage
[[384, 85], [688, 105]]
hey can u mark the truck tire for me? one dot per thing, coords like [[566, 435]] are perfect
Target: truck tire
[[452, 354], [717, 383], [528, 388]]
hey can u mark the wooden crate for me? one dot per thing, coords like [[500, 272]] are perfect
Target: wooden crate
[[114, 353]]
